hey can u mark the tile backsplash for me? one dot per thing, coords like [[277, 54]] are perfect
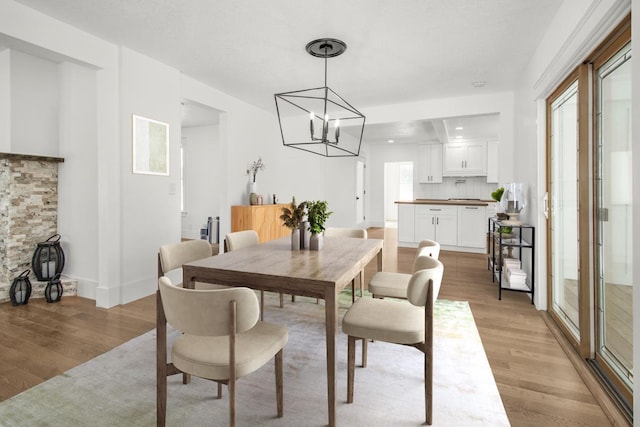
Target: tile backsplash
[[470, 187]]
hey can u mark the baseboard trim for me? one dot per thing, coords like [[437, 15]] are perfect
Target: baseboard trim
[[607, 402]]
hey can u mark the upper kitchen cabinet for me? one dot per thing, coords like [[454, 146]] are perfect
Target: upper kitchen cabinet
[[465, 159], [430, 163]]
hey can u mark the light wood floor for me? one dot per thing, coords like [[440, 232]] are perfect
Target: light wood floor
[[537, 382]]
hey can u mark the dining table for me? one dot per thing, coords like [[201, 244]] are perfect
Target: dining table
[[273, 266]]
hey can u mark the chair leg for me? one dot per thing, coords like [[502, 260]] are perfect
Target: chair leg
[[351, 367], [293, 298], [279, 384], [353, 290], [186, 378], [281, 300], [219, 391], [428, 386], [262, 305], [364, 352]]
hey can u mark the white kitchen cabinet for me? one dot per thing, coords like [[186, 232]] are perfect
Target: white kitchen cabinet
[[492, 162], [436, 222], [406, 218], [465, 159], [472, 225], [430, 163]]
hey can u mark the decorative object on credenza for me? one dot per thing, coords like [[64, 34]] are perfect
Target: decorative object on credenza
[[292, 216], [53, 290], [513, 201], [252, 171], [317, 213], [48, 259], [311, 119], [20, 290]]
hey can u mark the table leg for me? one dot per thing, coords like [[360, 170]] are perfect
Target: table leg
[[380, 260], [331, 320]]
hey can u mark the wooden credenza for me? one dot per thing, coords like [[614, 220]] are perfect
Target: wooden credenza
[[264, 219]]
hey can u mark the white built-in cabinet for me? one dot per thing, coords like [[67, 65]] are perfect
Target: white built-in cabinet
[[436, 222], [465, 159], [455, 227], [472, 223], [430, 163]]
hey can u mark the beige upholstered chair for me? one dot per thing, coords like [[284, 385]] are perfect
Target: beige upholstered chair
[[359, 233], [171, 257], [398, 322], [242, 239], [394, 285], [222, 339]]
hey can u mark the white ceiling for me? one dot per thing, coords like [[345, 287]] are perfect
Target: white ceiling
[[398, 51]]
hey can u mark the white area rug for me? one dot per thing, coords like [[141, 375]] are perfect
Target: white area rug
[[118, 387]]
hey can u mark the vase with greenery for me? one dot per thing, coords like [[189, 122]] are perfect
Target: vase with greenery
[[317, 214], [497, 196], [291, 218]]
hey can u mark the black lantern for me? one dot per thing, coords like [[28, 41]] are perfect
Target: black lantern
[[48, 259], [20, 290], [53, 290]]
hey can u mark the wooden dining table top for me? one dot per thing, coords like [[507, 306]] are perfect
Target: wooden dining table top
[[274, 266]]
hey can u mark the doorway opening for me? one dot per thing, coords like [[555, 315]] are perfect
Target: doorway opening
[[398, 185]]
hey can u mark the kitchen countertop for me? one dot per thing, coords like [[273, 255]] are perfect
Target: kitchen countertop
[[454, 202]]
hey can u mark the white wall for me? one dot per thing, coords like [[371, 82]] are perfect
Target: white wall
[[202, 177], [34, 105], [5, 101], [78, 176], [150, 203]]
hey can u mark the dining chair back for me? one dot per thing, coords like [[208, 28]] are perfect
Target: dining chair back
[[221, 338], [242, 239], [429, 247], [171, 257], [392, 284], [359, 233], [398, 322], [346, 232]]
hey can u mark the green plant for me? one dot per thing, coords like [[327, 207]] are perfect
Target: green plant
[[497, 195], [505, 230], [293, 215], [317, 214]]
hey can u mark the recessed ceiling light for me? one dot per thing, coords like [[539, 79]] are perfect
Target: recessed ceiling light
[[459, 128], [479, 83], [391, 141]]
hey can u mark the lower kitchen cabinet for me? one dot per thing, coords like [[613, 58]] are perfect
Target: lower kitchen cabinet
[[437, 222], [457, 227], [406, 221], [471, 226]]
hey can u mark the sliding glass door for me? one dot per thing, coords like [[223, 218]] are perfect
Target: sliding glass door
[[614, 228], [563, 208], [590, 230]]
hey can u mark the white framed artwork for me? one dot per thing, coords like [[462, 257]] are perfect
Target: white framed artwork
[[150, 146]]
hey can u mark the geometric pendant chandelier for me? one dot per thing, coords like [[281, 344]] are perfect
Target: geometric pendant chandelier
[[318, 120]]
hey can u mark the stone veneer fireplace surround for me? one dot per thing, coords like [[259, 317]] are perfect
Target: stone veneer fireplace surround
[[28, 215]]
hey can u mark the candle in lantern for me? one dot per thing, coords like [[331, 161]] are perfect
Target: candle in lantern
[[311, 123], [337, 129], [48, 269]]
